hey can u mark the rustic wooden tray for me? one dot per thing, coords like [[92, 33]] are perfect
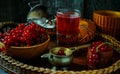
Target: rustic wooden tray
[[41, 65]]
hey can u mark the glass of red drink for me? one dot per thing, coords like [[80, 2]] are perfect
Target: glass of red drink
[[67, 27]]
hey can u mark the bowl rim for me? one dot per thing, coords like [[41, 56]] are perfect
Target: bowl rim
[[51, 52], [33, 45], [109, 13]]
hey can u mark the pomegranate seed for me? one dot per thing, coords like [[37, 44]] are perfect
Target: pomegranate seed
[[61, 52], [94, 43], [95, 56], [103, 49], [93, 50], [2, 48], [91, 63], [90, 57]]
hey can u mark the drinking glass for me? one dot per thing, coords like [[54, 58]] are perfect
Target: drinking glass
[[67, 27]]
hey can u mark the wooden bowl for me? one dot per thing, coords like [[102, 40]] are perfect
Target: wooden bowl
[[30, 52], [108, 22]]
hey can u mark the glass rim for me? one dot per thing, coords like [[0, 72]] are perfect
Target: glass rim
[[73, 12], [68, 9]]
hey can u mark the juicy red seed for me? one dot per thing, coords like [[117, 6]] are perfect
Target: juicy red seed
[[22, 39], [14, 36], [6, 43], [93, 50], [93, 47], [61, 52], [33, 23], [97, 43], [2, 48], [12, 31], [22, 25], [90, 57], [95, 56], [105, 46], [43, 30], [94, 43], [103, 49], [91, 62]]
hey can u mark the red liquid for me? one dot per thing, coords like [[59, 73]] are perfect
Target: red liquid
[[67, 29], [67, 24]]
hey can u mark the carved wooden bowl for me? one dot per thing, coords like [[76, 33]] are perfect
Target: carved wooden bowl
[[108, 22], [23, 52]]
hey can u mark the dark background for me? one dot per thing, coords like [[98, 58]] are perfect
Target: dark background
[[17, 10]]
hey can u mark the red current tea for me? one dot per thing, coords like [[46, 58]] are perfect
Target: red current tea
[[67, 28]]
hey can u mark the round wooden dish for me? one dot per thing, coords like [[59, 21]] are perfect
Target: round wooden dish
[[108, 22], [30, 52]]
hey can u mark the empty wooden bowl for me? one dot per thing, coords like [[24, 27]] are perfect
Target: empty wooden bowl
[[108, 22]]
